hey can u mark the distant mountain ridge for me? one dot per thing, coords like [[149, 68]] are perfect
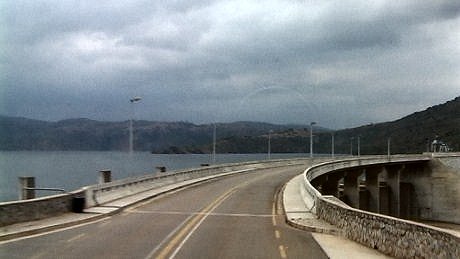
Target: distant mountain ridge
[[415, 132], [411, 134], [18, 133]]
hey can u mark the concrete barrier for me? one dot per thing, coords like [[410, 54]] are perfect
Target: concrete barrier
[[390, 235], [448, 159], [33, 209], [106, 192]]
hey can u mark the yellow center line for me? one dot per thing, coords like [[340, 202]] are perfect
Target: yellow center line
[[193, 222], [197, 225]]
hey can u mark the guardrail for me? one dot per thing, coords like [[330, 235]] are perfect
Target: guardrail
[[393, 236]]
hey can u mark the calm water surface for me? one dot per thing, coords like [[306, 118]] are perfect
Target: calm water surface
[[71, 170]]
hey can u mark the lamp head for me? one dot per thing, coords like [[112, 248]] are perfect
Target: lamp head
[[135, 99]]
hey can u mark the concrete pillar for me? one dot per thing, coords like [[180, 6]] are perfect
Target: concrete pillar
[[409, 203], [384, 198], [405, 200], [105, 176], [372, 186], [330, 184], [393, 181], [363, 198], [26, 182], [351, 187]]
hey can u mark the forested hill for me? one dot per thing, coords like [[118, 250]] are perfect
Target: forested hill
[[411, 134], [84, 134]]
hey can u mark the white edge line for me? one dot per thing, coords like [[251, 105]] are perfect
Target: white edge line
[[52, 231]]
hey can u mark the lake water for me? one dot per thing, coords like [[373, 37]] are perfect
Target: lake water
[[71, 170]]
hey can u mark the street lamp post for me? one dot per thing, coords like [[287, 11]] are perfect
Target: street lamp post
[[359, 146], [269, 144], [131, 134], [214, 145], [311, 138], [332, 144], [388, 147], [351, 146]]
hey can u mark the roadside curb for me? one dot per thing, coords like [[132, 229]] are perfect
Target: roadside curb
[[293, 224], [311, 228], [304, 219]]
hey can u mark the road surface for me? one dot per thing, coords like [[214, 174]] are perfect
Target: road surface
[[232, 217]]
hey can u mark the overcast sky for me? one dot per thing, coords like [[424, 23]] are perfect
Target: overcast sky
[[339, 63]]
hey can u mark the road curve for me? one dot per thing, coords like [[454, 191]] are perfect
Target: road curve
[[233, 217]]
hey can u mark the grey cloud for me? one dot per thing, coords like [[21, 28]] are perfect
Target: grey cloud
[[281, 61], [30, 21], [425, 11]]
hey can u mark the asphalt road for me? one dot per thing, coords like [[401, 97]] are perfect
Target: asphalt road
[[233, 217]]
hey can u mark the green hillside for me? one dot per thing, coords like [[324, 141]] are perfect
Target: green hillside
[[411, 134]]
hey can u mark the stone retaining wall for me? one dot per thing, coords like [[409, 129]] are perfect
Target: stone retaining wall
[[392, 236]]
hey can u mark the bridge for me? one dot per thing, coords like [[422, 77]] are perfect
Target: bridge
[[388, 204], [381, 202]]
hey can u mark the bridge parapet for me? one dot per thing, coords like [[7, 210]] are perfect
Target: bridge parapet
[[106, 192], [449, 159], [33, 209], [331, 166], [386, 182]]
